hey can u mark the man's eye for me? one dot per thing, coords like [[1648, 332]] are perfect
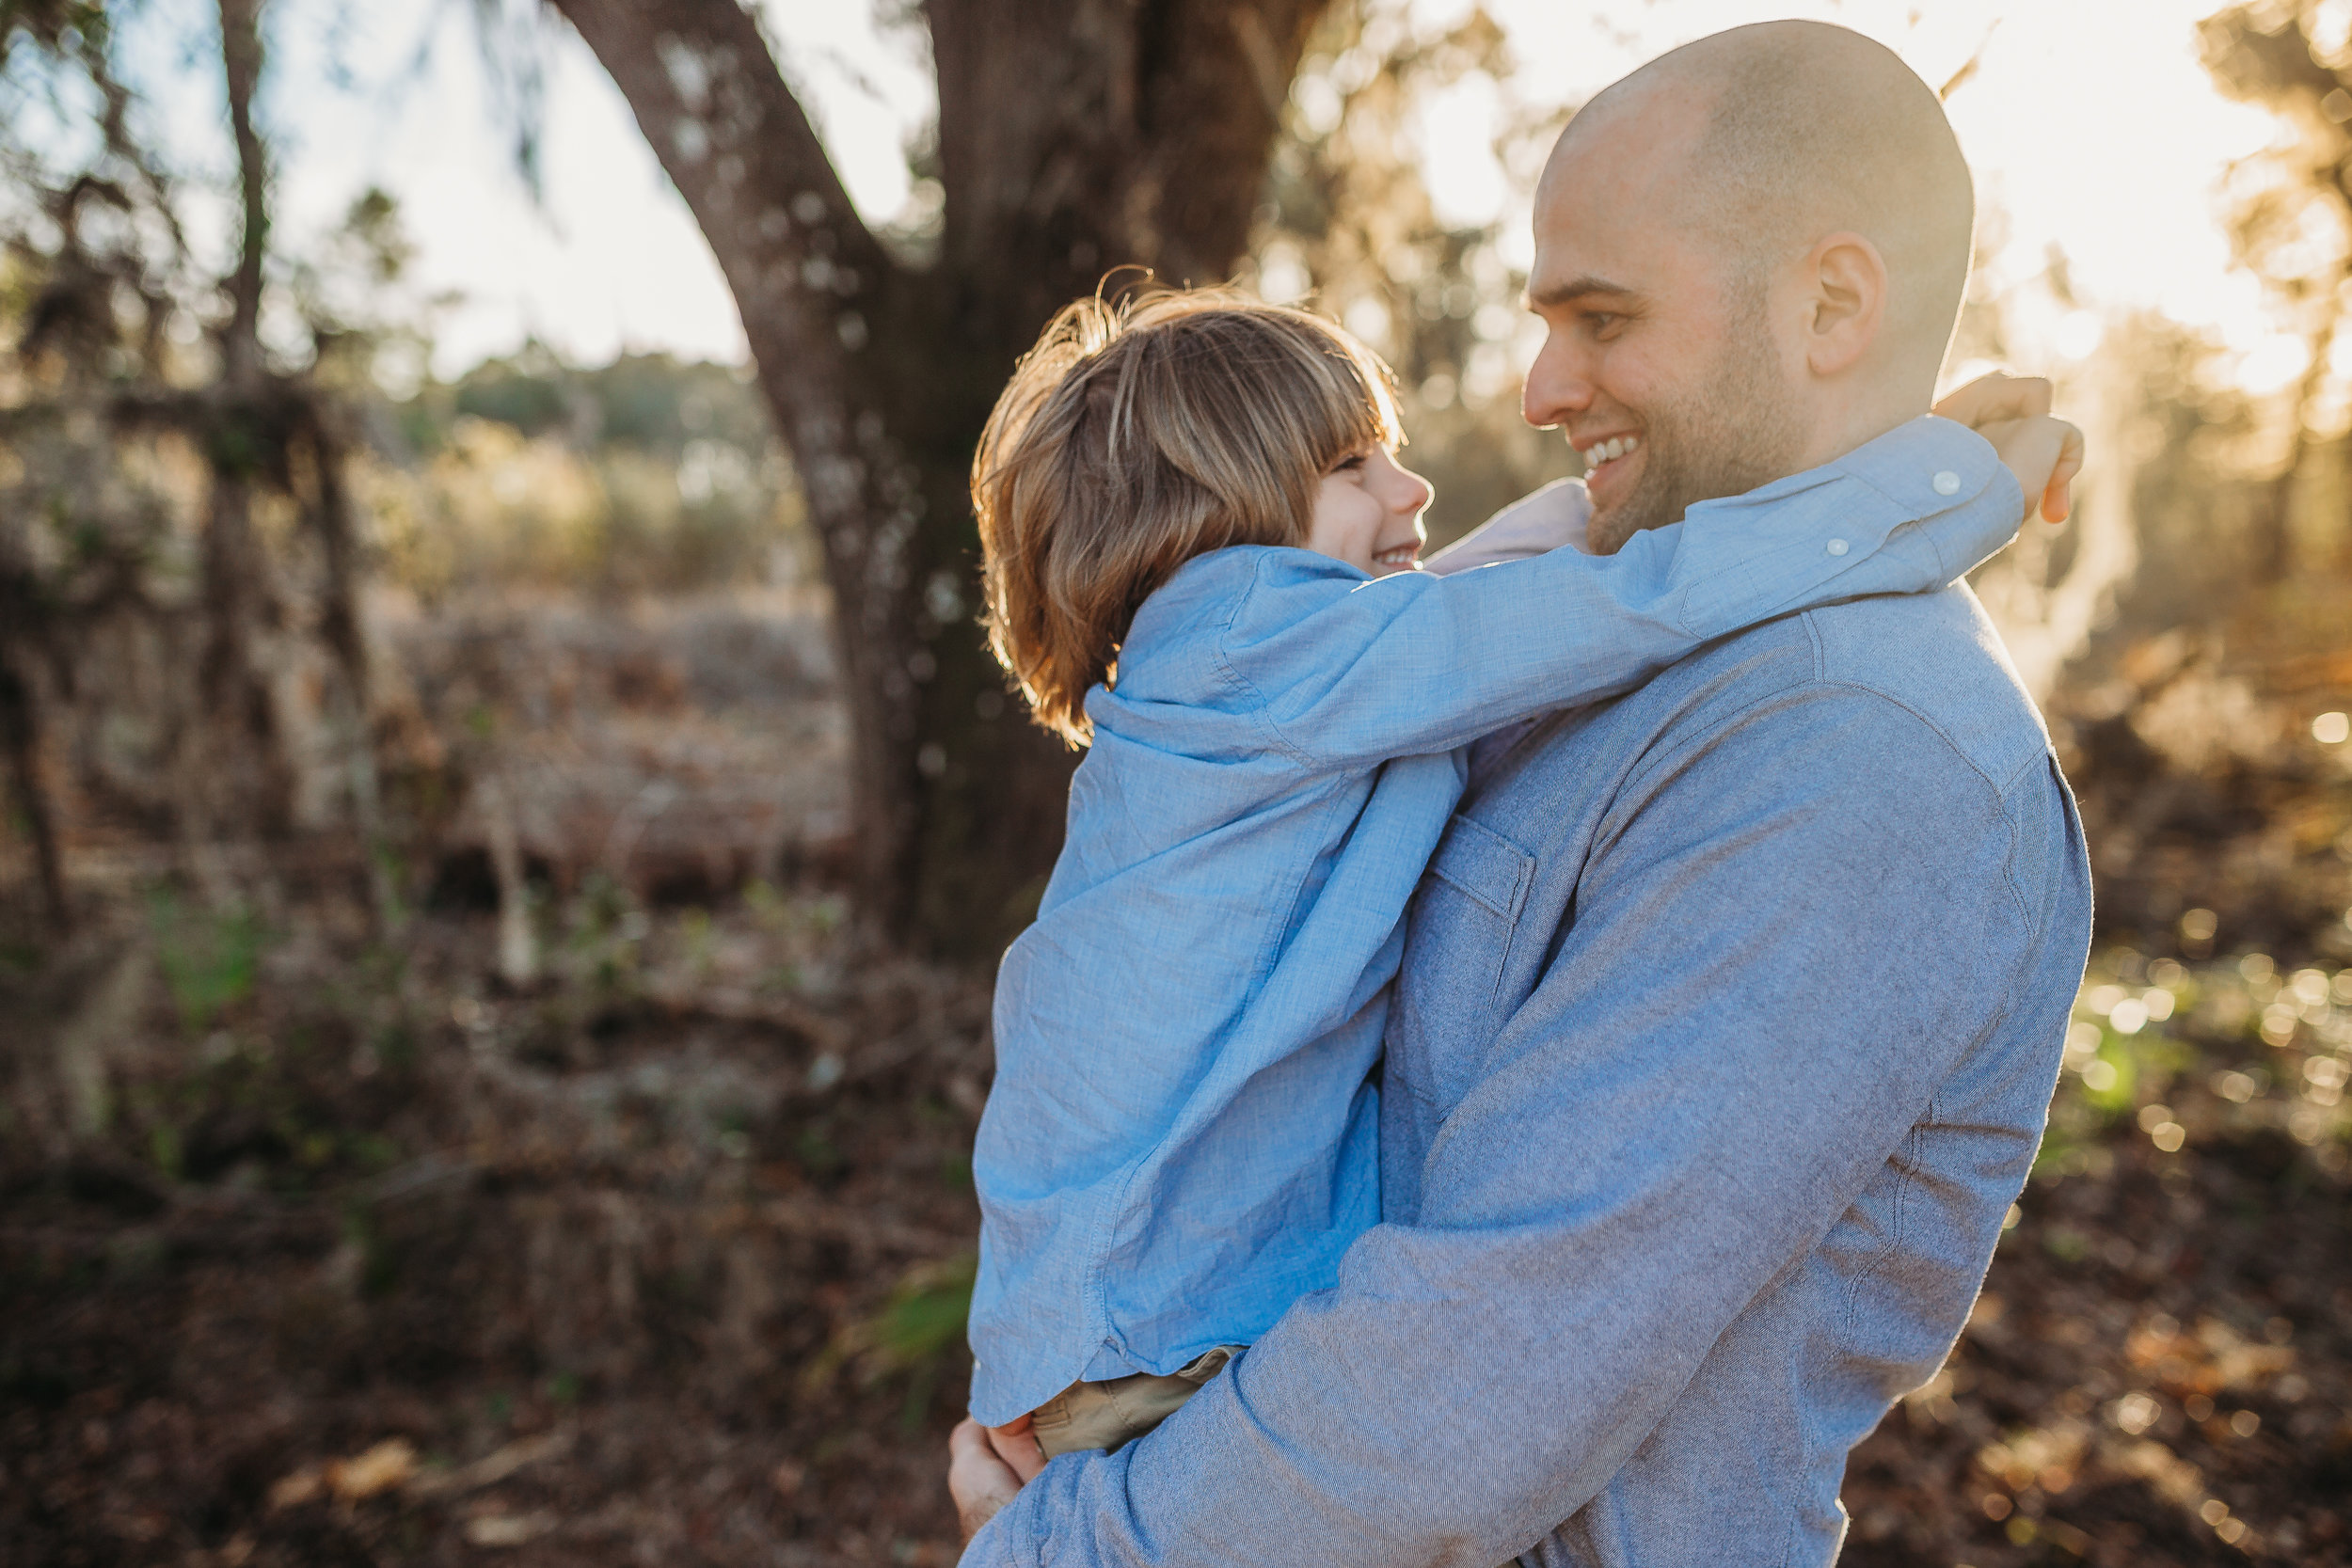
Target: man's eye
[[1603, 324]]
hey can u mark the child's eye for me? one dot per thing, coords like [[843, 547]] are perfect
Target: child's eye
[[1352, 462]]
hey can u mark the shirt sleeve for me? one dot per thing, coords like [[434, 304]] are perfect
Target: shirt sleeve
[[1550, 518], [1414, 662], [1761, 986]]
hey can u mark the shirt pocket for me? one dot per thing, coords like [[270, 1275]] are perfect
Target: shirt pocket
[[1466, 917], [1487, 869]]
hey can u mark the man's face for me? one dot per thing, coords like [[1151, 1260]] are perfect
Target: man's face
[[1660, 365]]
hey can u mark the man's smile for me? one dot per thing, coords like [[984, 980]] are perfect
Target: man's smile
[[1607, 461]]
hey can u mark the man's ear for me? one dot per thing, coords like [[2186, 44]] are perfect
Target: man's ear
[[1846, 281]]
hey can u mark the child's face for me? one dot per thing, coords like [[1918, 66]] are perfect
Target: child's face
[[1368, 512]]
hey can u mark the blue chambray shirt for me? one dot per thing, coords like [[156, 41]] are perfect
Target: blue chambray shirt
[[1182, 1139]]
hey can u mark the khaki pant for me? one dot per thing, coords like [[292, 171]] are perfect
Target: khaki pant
[[1106, 1414]]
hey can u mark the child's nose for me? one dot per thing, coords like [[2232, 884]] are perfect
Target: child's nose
[[1414, 492]]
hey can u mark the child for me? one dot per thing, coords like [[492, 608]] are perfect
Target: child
[[1197, 555]]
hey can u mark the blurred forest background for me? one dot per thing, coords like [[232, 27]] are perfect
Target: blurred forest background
[[499, 863]]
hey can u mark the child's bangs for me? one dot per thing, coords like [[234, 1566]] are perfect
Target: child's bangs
[[1308, 390], [1342, 393]]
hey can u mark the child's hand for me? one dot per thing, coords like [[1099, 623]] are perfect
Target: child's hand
[[2012, 412], [1017, 1447], [2045, 455], [1996, 398]]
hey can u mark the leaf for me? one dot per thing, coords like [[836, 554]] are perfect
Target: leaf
[[389, 1465]]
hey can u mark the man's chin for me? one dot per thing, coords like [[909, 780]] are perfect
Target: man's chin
[[1623, 503], [1607, 529]]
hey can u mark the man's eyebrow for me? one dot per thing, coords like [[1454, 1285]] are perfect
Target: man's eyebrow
[[1571, 290]]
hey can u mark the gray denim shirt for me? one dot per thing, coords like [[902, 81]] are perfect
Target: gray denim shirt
[[1728, 1018]]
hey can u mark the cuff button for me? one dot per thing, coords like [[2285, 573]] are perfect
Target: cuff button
[[1837, 547], [1948, 483]]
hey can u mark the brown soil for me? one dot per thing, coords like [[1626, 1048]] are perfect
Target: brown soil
[[369, 1262]]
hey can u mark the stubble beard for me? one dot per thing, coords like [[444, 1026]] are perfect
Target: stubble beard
[[1734, 431]]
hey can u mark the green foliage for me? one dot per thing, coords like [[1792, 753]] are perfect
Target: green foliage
[[818, 1153], [57, 27], [913, 1333], [2178, 1053], [533, 404], [379, 1259], [644, 475], [925, 1315], [605, 945], [209, 959], [1348, 226]]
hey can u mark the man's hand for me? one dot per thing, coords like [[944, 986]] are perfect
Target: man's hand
[[2013, 413], [979, 1481]]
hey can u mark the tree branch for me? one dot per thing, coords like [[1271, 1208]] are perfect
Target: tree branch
[[241, 68], [1216, 78], [1078, 136], [803, 268]]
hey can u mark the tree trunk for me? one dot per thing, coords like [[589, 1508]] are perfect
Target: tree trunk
[[347, 640], [20, 739], [1075, 135], [238, 595]]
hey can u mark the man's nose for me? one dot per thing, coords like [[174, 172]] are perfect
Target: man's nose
[[1559, 385]]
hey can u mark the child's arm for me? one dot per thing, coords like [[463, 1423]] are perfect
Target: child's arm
[[1346, 673], [1544, 520], [1998, 406]]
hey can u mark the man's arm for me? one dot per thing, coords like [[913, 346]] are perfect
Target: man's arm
[[1791, 930]]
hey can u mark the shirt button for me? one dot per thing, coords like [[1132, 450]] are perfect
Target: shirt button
[[1948, 483], [1837, 547]]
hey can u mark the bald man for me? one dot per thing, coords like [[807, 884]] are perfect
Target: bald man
[[1731, 1008]]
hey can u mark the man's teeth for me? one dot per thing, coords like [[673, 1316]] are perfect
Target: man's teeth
[[1610, 451]]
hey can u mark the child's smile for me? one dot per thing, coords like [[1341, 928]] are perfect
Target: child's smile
[[1368, 512]]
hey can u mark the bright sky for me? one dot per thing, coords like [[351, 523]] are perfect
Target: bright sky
[[2090, 123]]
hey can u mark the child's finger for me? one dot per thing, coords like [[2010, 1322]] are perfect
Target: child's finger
[[1017, 1447], [2058, 501], [2071, 453]]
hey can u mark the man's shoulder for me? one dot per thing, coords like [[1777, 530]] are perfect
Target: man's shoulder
[[1939, 656], [1935, 656], [1873, 689]]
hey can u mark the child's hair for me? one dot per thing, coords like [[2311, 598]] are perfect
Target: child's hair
[[1134, 437]]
